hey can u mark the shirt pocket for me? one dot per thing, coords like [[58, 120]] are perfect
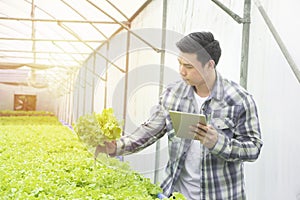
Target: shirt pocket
[[225, 125], [228, 112]]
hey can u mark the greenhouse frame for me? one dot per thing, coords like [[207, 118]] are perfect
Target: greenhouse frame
[[73, 58]]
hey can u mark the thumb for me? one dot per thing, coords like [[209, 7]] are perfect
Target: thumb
[[99, 149], [110, 147]]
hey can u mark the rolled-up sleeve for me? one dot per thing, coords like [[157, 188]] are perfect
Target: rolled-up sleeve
[[246, 143]]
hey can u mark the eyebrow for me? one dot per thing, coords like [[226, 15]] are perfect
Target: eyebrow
[[184, 64]]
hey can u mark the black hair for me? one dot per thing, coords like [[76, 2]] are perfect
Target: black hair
[[203, 44]]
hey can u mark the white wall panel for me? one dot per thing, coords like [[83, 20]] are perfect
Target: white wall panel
[[44, 103], [276, 174]]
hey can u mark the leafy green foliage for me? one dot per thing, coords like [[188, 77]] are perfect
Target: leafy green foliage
[[109, 125], [96, 128], [29, 120], [113, 163], [25, 113], [88, 130], [49, 162]]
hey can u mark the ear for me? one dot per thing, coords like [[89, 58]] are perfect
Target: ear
[[211, 64]]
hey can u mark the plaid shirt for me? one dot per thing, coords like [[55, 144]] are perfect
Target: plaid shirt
[[232, 112]]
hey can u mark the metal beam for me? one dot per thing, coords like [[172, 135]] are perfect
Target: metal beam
[[97, 52], [126, 79], [161, 81], [139, 10], [30, 57], [245, 36], [245, 44], [43, 52], [12, 65], [125, 27], [93, 83], [121, 28], [279, 41], [97, 29], [95, 74], [236, 17], [51, 40], [117, 9], [70, 55], [33, 29], [59, 20], [106, 76]]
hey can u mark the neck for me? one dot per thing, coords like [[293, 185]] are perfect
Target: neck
[[203, 90]]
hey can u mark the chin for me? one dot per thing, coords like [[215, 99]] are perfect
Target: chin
[[186, 81], [189, 83]]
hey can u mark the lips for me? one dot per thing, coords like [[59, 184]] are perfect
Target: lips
[[185, 80]]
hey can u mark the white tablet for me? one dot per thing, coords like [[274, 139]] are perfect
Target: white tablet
[[182, 121]]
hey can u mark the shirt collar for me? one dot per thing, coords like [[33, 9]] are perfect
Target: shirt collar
[[218, 88], [188, 92], [216, 93]]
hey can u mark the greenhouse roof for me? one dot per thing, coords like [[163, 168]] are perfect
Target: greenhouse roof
[[57, 35]]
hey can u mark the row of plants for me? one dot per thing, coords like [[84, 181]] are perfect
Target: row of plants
[[25, 113], [48, 161], [29, 120]]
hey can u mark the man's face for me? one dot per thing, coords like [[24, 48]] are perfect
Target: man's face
[[191, 70]]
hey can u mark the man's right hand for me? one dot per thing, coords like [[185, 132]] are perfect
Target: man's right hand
[[108, 148]]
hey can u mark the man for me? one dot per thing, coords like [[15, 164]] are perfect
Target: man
[[211, 165]]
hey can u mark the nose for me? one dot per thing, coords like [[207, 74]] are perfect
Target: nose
[[182, 70]]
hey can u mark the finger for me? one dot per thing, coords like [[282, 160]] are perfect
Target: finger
[[110, 144], [199, 123], [196, 131], [202, 127], [110, 147], [211, 130], [197, 136]]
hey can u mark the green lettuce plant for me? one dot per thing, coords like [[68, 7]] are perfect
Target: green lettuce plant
[[49, 162]]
